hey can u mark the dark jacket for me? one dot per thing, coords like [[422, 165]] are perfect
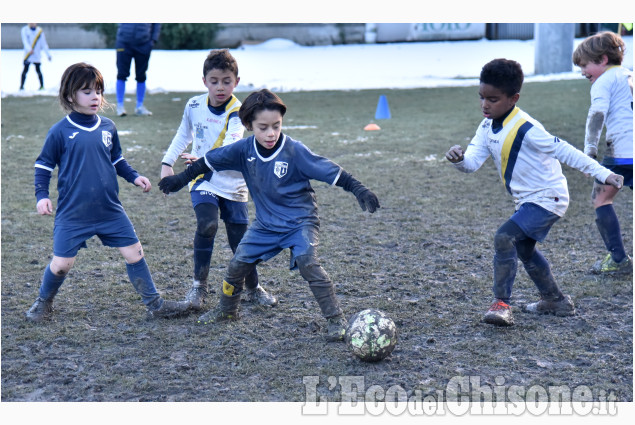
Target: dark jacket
[[138, 34]]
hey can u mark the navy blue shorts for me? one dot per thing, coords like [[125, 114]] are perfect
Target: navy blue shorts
[[534, 220], [625, 170], [259, 244], [68, 238], [230, 211]]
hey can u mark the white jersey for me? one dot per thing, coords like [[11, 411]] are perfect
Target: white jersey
[[528, 160], [36, 41], [612, 97], [206, 131]]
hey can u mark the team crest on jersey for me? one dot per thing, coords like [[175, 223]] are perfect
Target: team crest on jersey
[[106, 137], [280, 169]]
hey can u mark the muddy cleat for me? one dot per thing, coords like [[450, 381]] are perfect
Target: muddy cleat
[[608, 265], [142, 111], [40, 310], [563, 307], [170, 309], [500, 314], [336, 328], [259, 296], [217, 315], [196, 296], [121, 111]]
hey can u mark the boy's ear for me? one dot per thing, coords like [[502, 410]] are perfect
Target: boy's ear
[[515, 98]]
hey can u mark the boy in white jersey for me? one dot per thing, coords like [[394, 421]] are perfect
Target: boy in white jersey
[[528, 160], [600, 57], [210, 121]]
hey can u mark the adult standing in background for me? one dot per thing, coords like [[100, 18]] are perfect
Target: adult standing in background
[[34, 43], [134, 41]]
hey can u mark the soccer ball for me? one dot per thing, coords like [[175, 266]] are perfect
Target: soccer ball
[[371, 335]]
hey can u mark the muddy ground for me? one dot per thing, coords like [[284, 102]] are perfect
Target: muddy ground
[[425, 258]]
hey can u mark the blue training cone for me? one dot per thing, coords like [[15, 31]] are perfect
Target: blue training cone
[[383, 111]]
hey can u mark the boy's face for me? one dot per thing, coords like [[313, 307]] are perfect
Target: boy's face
[[592, 70], [220, 85], [494, 102], [267, 126], [87, 101]]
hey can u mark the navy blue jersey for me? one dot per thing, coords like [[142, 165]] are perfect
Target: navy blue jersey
[[86, 149], [279, 185]]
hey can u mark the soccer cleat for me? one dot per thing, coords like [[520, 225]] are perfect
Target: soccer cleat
[[259, 296], [336, 328], [121, 111], [40, 310], [608, 265], [217, 315], [142, 111], [563, 307], [499, 313], [196, 296], [169, 309]]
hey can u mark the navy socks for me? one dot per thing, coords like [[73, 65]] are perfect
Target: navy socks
[[609, 227]]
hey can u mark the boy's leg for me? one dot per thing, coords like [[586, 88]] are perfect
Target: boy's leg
[[322, 288], [124, 61], [609, 228], [236, 218], [505, 259], [141, 279], [52, 279], [232, 288], [24, 72], [206, 228], [141, 60], [38, 70]]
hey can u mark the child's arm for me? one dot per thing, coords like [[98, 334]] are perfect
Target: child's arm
[[180, 142], [179, 181], [367, 200], [600, 102], [455, 154], [42, 179]]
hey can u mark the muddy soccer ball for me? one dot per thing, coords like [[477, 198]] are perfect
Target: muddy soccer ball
[[371, 335]]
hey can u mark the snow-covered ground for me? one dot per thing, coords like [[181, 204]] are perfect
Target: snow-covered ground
[[282, 65]]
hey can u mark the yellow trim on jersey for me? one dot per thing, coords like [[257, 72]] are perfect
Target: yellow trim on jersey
[[37, 37], [509, 141], [221, 137]]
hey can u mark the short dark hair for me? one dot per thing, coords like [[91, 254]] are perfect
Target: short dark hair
[[220, 59], [259, 101], [78, 77], [504, 74]]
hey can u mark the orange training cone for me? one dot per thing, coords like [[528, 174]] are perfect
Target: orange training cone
[[372, 127]]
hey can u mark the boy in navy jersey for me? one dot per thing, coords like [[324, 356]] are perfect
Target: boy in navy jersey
[[85, 147], [528, 160], [210, 121], [600, 58], [278, 171]]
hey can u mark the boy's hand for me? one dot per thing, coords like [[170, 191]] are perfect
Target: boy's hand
[[455, 154], [615, 180], [44, 207], [368, 201], [189, 158], [166, 170], [143, 183], [173, 183]]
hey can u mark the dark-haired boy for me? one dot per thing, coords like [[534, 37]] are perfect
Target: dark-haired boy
[[528, 160], [210, 121]]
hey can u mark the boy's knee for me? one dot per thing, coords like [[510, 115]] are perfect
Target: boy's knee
[[60, 266], [207, 228], [310, 269]]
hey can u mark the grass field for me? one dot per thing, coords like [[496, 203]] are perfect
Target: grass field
[[425, 258]]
